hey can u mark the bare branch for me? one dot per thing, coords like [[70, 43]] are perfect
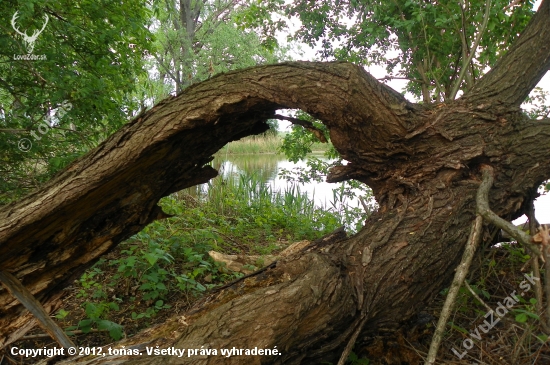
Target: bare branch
[[462, 268], [535, 259], [25, 297], [12, 130], [351, 342], [513, 231]]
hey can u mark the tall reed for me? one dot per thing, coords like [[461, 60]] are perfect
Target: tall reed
[[253, 145], [248, 197], [262, 144]]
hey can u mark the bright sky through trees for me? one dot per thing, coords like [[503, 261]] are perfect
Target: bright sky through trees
[[306, 53]]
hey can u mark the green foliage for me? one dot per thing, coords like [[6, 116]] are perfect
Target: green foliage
[[93, 78], [499, 285], [263, 17], [61, 314], [517, 253], [537, 104], [259, 213], [269, 143], [170, 258], [95, 312], [464, 299], [353, 359], [424, 42], [89, 284], [273, 127], [194, 45], [151, 311], [298, 143], [76, 94], [523, 315], [352, 217], [542, 338]]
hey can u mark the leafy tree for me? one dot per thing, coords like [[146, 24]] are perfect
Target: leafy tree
[[441, 47], [197, 39], [74, 93]]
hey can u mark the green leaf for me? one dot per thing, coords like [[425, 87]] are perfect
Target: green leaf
[[521, 318], [86, 325], [151, 258], [543, 338], [61, 314], [115, 330]]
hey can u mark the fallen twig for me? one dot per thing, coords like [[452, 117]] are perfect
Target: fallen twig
[[26, 298], [351, 342]]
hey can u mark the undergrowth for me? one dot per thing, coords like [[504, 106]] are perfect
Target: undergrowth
[[167, 263], [496, 320], [497, 324]]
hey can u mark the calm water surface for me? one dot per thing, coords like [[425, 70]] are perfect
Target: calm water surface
[[268, 167]]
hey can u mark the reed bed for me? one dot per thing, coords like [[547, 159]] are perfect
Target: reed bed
[[262, 144]]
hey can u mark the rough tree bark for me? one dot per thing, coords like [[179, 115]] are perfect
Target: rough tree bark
[[422, 162]]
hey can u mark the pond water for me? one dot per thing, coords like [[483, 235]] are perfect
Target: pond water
[[267, 168]]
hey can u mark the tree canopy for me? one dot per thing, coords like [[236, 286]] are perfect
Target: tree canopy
[[75, 94], [439, 47]]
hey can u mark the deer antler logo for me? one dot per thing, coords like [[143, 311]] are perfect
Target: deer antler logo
[[29, 40]]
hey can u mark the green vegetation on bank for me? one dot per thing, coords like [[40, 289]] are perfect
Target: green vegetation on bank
[[264, 144]]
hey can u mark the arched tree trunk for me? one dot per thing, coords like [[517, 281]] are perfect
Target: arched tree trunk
[[422, 162]]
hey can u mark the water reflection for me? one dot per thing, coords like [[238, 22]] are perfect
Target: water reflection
[[266, 167]]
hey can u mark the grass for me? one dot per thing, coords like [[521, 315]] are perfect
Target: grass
[[515, 332], [262, 144], [167, 265], [255, 214]]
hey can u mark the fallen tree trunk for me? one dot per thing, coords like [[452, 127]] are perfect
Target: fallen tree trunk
[[421, 161]]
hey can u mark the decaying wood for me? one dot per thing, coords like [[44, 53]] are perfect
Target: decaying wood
[[422, 162]]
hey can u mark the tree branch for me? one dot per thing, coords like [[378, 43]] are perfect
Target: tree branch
[[26, 298], [522, 67], [306, 124], [463, 267], [111, 193], [466, 61], [513, 231], [12, 130]]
